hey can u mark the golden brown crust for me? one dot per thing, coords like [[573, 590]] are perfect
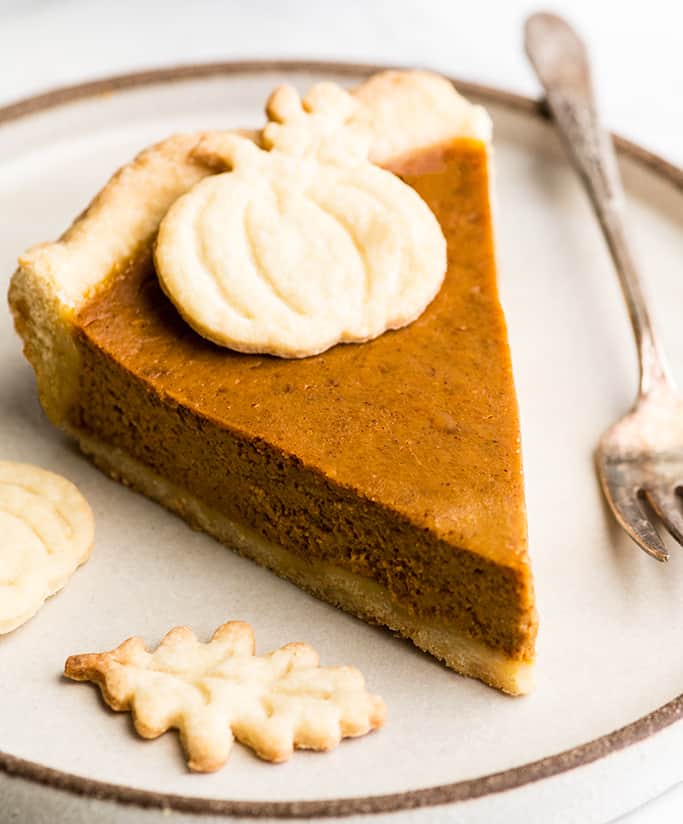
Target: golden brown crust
[[407, 110], [53, 279]]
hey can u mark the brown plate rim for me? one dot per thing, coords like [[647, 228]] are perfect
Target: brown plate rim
[[451, 793]]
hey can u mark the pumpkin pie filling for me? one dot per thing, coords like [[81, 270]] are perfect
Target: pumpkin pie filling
[[385, 476], [397, 460]]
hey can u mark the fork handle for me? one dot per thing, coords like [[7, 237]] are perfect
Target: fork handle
[[560, 60]]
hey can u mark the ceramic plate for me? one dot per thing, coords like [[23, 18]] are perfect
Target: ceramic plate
[[610, 666]]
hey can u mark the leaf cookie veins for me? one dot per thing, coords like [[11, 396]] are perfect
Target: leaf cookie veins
[[46, 532], [302, 244]]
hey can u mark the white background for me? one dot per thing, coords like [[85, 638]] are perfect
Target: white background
[[637, 50]]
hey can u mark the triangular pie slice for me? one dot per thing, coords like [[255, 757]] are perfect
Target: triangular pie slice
[[383, 477]]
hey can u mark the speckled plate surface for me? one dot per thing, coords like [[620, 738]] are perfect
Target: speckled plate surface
[[609, 656]]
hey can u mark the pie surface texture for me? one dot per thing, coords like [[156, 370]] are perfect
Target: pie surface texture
[[383, 477]]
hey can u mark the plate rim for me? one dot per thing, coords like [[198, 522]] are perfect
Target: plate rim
[[469, 789]]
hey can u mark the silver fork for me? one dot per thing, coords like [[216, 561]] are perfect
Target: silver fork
[[640, 458]]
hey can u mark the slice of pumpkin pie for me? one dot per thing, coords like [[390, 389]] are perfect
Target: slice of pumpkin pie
[[308, 360]]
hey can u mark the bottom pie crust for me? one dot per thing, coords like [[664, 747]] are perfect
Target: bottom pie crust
[[351, 592]]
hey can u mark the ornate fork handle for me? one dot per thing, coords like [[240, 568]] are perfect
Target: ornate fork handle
[[560, 60]]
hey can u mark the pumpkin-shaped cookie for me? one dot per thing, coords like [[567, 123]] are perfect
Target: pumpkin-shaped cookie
[[302, 244]]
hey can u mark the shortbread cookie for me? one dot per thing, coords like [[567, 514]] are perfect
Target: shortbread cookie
[[47, 531], [213, 693], [304, 244]]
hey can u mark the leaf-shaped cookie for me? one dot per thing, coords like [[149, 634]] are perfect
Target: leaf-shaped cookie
[[304, 244], [216, 692], [46, 532]]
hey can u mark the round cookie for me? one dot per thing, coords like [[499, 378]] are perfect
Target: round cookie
[[48, 531]]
